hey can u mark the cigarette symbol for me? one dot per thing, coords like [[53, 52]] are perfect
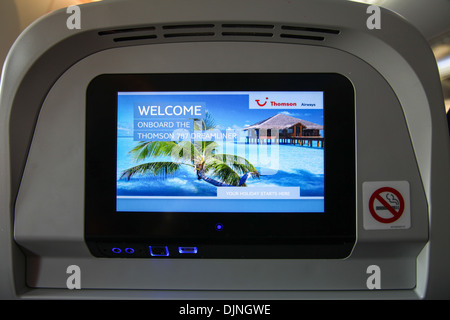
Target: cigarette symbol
[[392, 199]]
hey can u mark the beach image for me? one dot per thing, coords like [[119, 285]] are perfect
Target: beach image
[[166, 153]]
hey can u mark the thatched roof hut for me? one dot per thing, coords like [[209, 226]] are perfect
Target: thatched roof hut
[[281, 121]]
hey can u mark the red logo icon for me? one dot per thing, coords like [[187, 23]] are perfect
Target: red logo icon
[[261, 104]]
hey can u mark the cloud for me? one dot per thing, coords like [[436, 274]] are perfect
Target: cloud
[[176, 181], [124, 127], [234, 127], [296, 114], [289, 113]]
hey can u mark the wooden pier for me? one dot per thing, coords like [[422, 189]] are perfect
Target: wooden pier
[[301, 141]]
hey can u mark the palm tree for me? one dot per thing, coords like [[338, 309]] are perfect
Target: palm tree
[[218, 169]]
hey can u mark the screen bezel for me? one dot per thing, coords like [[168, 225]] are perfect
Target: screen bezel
[[330, 234]]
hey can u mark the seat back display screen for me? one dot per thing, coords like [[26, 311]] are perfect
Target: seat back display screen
[[227, 165], [220, 151]]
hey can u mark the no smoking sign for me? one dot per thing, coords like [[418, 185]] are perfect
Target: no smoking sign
[[386, 205]]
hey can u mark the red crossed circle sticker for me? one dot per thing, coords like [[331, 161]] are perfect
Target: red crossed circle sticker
[[389, 200]]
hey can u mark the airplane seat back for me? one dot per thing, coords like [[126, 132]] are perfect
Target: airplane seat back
[[372, 205]]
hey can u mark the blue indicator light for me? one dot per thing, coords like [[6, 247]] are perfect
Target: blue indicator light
[[219, 227], [159, 251], [192, 250], [129, 250], [116, 250]]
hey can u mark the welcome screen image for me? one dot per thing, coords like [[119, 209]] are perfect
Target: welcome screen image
[[220, 152]]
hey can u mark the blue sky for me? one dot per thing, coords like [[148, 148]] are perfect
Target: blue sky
[[230, 111]]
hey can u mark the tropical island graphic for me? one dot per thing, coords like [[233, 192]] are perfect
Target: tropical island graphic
[[274, 152], [204, 157]]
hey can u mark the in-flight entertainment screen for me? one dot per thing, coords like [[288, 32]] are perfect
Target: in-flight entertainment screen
[[260, 151], [230, 164]]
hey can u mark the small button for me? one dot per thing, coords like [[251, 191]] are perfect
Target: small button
[[159, 251], [116, 250], [187, 250]]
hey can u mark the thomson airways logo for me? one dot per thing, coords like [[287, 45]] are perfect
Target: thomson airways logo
[[261, 104], [287, 100], [279, 104]]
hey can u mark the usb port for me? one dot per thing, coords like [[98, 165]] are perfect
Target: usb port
[[159, 251], [192, 250]]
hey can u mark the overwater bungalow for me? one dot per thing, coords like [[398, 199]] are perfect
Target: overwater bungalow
[[284, 129]]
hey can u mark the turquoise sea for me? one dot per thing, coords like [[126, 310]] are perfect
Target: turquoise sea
[[279, 166]]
